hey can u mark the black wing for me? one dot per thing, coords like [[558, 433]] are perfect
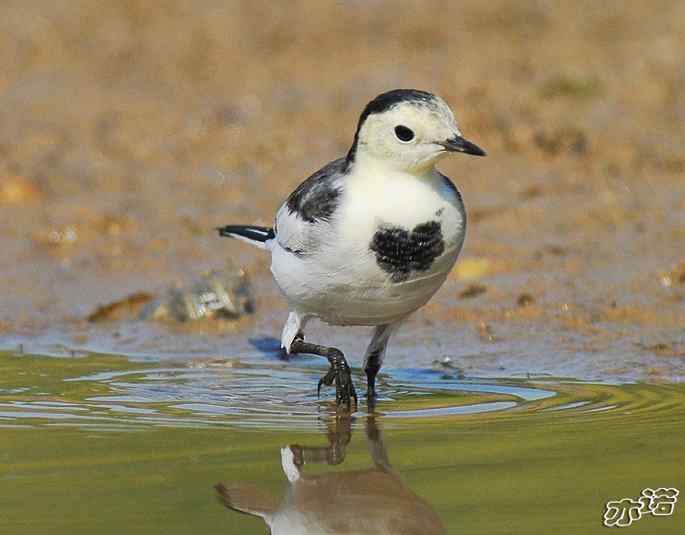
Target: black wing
[[310, 207], [317, 197]]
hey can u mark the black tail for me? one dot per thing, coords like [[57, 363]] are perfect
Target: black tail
[[252, 234]]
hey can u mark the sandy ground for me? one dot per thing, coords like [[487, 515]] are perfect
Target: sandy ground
[[128, 130]]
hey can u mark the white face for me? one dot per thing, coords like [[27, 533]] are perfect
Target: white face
[[408, 136]]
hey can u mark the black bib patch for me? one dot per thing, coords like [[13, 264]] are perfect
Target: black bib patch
[[399, 251]]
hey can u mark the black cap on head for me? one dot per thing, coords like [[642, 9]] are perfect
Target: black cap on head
[[387, 100], [384, 102]]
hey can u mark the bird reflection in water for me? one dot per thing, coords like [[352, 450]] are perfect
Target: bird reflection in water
[[374, 500]]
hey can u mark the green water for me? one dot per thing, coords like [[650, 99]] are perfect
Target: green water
[[102, 444]]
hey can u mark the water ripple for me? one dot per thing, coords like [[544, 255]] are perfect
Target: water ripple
[[283, 396]]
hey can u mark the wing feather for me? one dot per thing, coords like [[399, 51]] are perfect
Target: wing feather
[[304, 217]]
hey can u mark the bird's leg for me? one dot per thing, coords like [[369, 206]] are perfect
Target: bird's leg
[[371, 368], [373, 359], [339, 372], [293, 328], [285, 352]]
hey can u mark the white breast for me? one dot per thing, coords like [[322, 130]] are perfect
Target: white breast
[[400, 200], [342, 283]]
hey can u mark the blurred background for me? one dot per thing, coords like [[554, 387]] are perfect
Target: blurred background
[[130, 129]]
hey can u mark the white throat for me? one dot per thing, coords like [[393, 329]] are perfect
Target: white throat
[[366, 163]]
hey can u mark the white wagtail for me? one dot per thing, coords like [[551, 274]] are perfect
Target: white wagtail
[[370, 237]]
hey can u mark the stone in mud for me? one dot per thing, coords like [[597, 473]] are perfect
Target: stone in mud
[[473, 290], [525, 299], [225, 294], [217, 294], [126, 308]]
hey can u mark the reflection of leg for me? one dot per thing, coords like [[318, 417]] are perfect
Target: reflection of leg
[[338, 439], [377, 449], [339, 372], [373, 359]]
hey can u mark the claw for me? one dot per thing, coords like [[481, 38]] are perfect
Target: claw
[[326, 380], [344, 387], [339, 373]]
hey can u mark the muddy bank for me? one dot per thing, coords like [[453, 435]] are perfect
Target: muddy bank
[[129, 131]]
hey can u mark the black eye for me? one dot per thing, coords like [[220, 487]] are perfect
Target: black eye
[[403, 133]]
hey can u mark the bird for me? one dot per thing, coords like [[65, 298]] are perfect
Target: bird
[[370, 237], [366, 500]]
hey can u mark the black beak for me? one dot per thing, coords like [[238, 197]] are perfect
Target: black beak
[[459, 144]]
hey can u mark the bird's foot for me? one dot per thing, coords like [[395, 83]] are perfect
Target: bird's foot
[[339, 374]]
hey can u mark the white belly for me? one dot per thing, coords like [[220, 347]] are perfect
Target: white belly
[[344, 297], [343, 283]]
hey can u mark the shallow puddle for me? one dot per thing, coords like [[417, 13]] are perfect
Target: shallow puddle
[[103, 444]]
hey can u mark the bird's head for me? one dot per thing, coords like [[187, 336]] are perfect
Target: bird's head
[[409, 130]]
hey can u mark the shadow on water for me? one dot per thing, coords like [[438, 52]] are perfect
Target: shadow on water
[[371, 500]]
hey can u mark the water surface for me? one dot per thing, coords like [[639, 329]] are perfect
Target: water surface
[[101, 443]]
